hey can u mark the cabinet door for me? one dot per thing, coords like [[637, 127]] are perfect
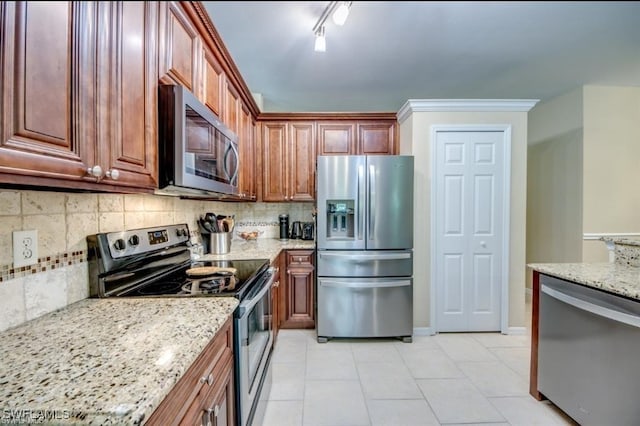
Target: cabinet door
[[301, 161], [299, 289], [179, 47], [232, 108], [377, 138], [336, 138], [247, 155], [274, 176], [213, 82], [127, 84], [47, 91]]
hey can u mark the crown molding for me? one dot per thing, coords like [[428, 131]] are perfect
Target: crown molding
[[464, 105]]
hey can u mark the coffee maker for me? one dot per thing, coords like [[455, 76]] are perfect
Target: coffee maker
[[307, 231]]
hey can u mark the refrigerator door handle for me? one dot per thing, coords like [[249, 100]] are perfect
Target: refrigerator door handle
[[363, 284], [372, 200], [366, 257], [360, 204]]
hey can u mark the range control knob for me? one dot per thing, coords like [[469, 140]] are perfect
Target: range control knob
[[120, 244], [134, 240], [181, 232]]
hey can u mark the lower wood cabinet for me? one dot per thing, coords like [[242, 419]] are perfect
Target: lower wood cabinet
[[205, 394], [298, 294]]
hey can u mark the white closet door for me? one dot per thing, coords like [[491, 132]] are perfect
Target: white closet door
[[469, 173]]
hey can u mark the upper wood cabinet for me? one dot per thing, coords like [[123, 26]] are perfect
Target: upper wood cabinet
[[336, 138], [128, 81], [357, 137], [180, 47], [377, 138], [247, 153], [288, 161], [213, 83], [76, 97]]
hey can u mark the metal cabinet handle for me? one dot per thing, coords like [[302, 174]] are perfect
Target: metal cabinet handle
[[208, 380], [276, 284], [113, 174], [95, 171]]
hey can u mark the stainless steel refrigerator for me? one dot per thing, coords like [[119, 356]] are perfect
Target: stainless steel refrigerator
[[364, 246]]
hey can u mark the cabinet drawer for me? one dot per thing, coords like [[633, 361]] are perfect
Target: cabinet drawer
[[300, 258]]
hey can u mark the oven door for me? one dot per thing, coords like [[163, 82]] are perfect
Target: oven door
[[253, 343]]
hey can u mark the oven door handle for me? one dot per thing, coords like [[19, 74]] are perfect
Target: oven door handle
[[247, 305]]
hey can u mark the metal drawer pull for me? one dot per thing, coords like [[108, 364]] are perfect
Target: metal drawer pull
[[208, 380]]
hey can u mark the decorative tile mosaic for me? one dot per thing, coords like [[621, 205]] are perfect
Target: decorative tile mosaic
[[8, 272]]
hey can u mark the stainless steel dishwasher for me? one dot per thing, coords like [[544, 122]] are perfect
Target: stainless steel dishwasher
[[588, 353]]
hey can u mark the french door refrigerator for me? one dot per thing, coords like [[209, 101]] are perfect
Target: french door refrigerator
[[364, 246]]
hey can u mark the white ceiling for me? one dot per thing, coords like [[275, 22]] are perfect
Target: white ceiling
[[389, 52]]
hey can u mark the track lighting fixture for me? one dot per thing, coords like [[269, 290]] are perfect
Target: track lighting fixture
[[321, 42], [340, 11]]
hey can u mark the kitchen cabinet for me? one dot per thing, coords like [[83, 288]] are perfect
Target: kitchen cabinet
[[205, 393], [78, 99], [213, 82], [247, 153], [288, 161], [299, 290], [357, 137], [180, 47]]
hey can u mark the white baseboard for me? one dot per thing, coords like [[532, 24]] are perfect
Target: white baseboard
[[423, 331], [516, 331]]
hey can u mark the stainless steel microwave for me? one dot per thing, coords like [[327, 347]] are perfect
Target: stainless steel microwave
[[198, 154]]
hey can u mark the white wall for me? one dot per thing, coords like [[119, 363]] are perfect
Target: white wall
[[584, 167], [415, 139]]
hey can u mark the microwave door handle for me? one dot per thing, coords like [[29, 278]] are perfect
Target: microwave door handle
[[226, 171]]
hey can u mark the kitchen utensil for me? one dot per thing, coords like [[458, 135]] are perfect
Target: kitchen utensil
[[210, 217], [201, 226]]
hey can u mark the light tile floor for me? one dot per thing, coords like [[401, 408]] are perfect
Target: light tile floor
[[446, 379]]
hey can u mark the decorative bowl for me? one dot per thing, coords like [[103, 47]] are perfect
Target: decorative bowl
[[249, 235]]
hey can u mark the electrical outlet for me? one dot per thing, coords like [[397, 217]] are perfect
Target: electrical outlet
[[25, 248]]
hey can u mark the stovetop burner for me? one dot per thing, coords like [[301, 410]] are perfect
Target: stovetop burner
[[168, 287], [218, 283]]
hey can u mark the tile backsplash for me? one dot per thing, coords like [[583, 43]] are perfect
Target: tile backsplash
[[63, 221]]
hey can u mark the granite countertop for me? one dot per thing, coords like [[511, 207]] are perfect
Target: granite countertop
[[615, 278], [260, 248], [104, 361]]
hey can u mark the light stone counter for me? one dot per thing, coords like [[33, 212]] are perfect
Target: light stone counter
[[104, 361], [615, 278], [260, 248]]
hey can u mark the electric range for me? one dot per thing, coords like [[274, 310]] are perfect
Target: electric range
[[156, 262]]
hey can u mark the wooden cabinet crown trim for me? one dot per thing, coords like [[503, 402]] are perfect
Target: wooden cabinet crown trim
[[333, 116]]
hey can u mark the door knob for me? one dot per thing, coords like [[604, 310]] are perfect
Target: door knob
[[483, 244], [113, 174], [95, 171]]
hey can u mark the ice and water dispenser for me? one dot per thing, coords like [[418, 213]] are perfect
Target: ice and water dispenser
[[340, 219]]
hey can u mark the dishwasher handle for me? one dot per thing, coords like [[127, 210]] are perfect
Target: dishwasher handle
[[593, 308]]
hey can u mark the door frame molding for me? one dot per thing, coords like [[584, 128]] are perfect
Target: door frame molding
[[506, 213]]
